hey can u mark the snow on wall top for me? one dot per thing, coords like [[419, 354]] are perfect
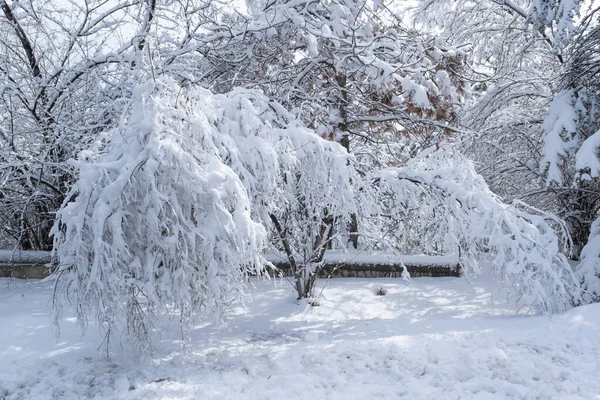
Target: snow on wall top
[[375, 257], [331, 256], [25, 257]]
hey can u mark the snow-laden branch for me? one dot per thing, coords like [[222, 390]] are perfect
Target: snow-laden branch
[[443, 187]]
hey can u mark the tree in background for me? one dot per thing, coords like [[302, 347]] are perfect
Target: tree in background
[[63, 72], [534, 114], [572, 150], [348, 69]]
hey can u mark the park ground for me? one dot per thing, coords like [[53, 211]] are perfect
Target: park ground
[[435, 338]]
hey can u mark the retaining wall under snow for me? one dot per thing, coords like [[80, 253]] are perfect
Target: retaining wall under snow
[[25, 264], [376, 264], [362, 264]]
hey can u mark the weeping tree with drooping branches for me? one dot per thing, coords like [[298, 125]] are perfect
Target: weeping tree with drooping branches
[[171, 209]]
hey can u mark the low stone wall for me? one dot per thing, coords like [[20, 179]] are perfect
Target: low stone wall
[[375, 264], [38, 265], [346, 270], [25, 264]]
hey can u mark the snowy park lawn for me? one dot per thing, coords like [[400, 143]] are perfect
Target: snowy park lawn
[[438, 338]]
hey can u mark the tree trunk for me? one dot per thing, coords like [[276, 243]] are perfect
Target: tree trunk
[[345, 142]]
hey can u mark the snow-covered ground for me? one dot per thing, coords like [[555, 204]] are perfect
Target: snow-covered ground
[[439, 338]]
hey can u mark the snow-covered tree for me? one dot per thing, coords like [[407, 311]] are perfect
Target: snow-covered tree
[[302, 187], [526, 123], [156, 222], [556, 16], [509, 72], [348, 69], [320, 195], [572, 151], [570, 160], [63, 68], [171, 209], [588, 271]]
